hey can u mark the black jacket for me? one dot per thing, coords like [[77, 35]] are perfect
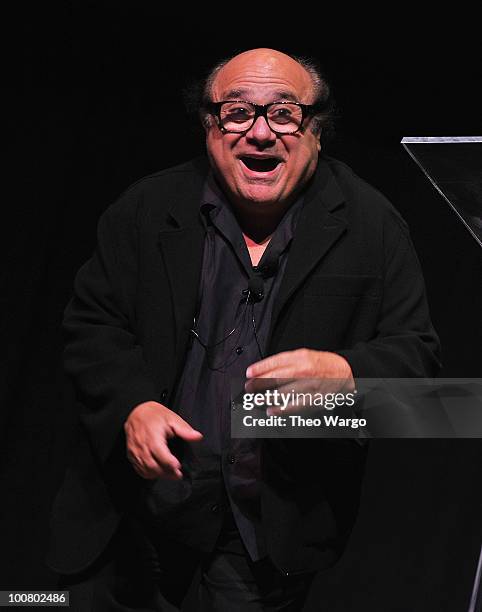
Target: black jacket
[[352, 285]]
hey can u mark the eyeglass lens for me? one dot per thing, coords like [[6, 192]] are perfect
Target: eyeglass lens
[[283, 118]]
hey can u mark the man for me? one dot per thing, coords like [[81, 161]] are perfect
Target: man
[[268, 261]]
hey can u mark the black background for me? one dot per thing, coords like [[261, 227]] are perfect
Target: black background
[[95, 96]]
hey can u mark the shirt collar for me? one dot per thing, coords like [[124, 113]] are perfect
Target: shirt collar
[[213, 200]]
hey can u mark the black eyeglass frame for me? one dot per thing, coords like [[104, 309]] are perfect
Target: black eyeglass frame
[[261, 110]]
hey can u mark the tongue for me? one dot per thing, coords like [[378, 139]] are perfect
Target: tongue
[[260, 165]]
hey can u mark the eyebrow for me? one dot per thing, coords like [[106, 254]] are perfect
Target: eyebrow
[[234, 94]]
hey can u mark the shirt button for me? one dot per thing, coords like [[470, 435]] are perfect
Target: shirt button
[[215, 508], [239, 350], [163, 394], [231, 459]]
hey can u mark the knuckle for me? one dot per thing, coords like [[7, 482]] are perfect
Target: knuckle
[[150, 465]]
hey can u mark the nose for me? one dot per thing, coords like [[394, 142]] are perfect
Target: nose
[[260, 132]]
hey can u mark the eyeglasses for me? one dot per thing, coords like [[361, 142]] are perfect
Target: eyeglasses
[[238, 116]]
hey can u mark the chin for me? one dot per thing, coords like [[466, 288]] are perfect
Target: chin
[[261, 202], [260, 195]]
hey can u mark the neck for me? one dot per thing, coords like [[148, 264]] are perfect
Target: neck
[[257, 228], [257, 224]]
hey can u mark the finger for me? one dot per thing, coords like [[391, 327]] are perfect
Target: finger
[[153, 469], [309, 395], [312, 386], [263, 367], [158, 472], [146, 467], [164, 458], [287, 371], [168, 474], [259, 385], [183, 430]]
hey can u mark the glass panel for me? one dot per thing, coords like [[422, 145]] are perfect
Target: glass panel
[[453, 164]]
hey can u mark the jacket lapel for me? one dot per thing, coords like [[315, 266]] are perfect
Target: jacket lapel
[[321, 224], [182, 255], [181, 244]]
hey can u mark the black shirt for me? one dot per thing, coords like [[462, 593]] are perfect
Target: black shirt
[[217, 354]]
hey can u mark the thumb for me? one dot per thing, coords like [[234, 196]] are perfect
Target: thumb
[[186, 432]]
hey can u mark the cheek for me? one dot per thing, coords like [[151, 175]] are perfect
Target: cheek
[[306, 155], [220, 152], [217, 154]]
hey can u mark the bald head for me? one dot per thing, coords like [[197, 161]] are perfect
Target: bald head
[[261, 66]]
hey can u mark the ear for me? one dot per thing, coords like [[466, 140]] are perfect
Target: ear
[[318, 143], [206, 121]]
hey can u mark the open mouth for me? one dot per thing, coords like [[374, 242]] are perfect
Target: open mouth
[[257, 164]]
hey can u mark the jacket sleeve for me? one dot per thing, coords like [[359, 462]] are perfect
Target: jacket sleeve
[[405, 344], [101, 356]]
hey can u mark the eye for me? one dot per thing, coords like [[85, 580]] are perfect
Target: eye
[[236, 112], [281, 111], [282, 114]]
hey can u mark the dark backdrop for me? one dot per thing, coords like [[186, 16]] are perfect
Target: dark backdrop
[[95, 95]]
